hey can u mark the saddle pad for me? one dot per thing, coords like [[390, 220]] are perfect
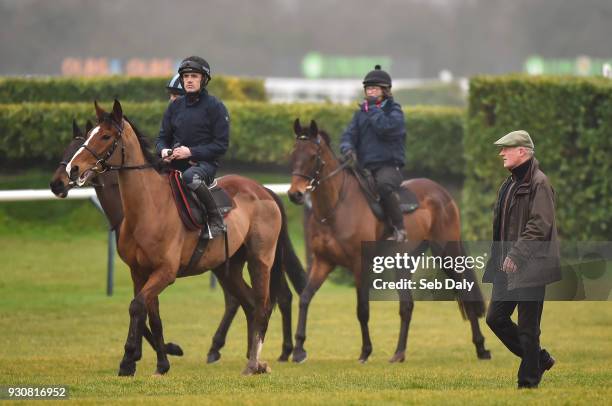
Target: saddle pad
[[190, 210]]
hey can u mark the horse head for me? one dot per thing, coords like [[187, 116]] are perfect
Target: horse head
[[307, 159], [60, 183], [91, 158]]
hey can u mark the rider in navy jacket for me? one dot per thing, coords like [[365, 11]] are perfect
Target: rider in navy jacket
[[376, 138], [377, 134], [200, 123], [194, 134]]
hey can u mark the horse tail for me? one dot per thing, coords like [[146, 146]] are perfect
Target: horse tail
[[290, 262], [471, 303]]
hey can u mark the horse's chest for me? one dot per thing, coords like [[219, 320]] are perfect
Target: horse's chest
[[327, 246]]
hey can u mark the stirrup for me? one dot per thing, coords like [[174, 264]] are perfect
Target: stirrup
[[214, 228]]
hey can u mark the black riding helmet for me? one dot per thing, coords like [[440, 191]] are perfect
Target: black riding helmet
[[377, 77], [195, 64]]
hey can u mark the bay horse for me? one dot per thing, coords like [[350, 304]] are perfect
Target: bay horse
[[106, 186], [156, 245], [341, 219]]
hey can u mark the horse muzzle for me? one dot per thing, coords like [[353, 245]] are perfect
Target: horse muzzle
[[296, 197], [59, 189], [80, 180]]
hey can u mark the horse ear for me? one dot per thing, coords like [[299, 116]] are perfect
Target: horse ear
[[297, 128], [314, 130], [117, 112], [88, 126], [99, 111], [76, 131]]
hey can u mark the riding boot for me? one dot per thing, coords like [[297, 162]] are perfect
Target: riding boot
[[215, 219], [391, 205]]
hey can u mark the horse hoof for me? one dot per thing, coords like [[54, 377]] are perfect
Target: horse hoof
[[260, 368], [213, 356], [398, 357], [484, 354], [174, 349], [287, 350], [263, 368], [162, 368], [363, 358], [127, 370], [299, 356]]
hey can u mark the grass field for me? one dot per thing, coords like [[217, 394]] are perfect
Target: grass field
[[57, 327]]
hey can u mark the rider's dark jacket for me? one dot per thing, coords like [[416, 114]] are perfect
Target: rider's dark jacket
[[377, 135], [200, 123]]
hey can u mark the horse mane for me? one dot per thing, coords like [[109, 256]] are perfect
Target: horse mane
[[325, 137], [145, 147]]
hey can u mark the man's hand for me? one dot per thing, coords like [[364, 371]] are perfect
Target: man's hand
[[349, 156], [181, 152], [166, 154], [509, 266]]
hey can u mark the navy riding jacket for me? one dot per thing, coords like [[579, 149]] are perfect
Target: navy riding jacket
[[199, 123], [378, 136]]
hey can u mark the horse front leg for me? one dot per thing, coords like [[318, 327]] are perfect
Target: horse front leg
[[363, 315], [317, 275], [139, 306], [138, 314], [163, 365]]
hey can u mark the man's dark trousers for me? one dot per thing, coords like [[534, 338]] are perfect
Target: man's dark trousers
[[523, 340]]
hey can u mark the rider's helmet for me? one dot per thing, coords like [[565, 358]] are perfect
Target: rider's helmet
[[377, 77], [195, 64]]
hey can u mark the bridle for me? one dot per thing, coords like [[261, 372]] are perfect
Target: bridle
[[64, 163], [101, 166], [315, 179]]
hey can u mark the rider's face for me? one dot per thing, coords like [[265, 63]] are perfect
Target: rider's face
[[373, 91], [192, 81]]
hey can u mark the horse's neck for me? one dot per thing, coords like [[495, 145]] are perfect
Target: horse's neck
[[137, 186], [329, 194]]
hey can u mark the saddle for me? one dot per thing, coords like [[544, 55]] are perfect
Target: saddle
[[191, 211], [408, 200]]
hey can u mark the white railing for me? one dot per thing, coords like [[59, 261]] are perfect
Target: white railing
[[90, 193], [87, 193]]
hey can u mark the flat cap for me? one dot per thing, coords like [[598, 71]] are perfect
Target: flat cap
[[518, 138]]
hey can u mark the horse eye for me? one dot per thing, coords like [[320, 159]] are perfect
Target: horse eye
[[106, 137]]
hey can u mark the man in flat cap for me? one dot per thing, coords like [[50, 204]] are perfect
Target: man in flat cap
[[524, 256]]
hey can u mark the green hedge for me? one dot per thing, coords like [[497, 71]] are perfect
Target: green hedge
[[60, 89], [570, 121], [260, 132]]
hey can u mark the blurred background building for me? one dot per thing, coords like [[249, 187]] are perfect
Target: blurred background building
[[311, 50]]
